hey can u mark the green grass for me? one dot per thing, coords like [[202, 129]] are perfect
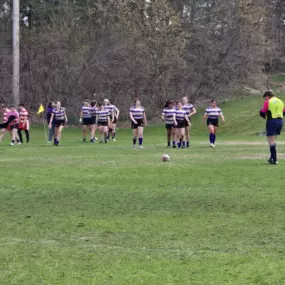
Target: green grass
[[107, 214]]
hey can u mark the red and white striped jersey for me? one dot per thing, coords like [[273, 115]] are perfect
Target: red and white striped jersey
[[5, 115], [24, 115]]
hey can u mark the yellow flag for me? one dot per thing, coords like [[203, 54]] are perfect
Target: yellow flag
[[41, 109]]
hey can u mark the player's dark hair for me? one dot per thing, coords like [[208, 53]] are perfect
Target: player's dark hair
[[50, 104], [101, 104], [21, 105], [212, 101], [166, 105], [136, 100], [177, 102], [269, 94], [93, 103], [12, 106]]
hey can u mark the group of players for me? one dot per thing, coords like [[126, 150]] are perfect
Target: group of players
[[104, 116], [14, 122], [177, 117]]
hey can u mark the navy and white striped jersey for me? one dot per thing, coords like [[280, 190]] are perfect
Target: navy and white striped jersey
[[169, 115], [59, 115], [93, 111], [137, 112], [213, 113], [86, 112], [102, 115], [180, 115], [188, 108], [110, 108]]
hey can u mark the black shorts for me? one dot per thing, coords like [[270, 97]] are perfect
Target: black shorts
[[169, 126], [93, 120], [186, 123], [58, 123], [86, 121], [180, 124], [103, 124], [213, 122], [139, 124], [14, 127], [274, 127]]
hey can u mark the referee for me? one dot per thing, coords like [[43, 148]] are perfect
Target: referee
[[273, 112]]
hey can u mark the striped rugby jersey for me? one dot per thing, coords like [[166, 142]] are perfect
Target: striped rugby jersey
[[213, 113], [93, 111], [5, 115], [24, 115], [86, 112], [169, 115], [180, 115], [59, 114], [188, 108], [137, 112], [102, 115], [110, 108]]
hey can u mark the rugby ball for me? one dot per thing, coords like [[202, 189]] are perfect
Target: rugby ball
[[165, 157]]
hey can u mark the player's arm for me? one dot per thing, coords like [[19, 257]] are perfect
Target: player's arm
[[174, 118], [163, 116], [132, 117], [51, 119], [264, 110], [187, 119], [108, 118], [144, 119], [193, 112], [65, 117], [117, 113], [80, 116]]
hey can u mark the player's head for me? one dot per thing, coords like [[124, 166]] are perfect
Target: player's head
[[3, 107], [213, 103], [101, 106], [179, 105], [86, 103], [58, 105], [106, 102], [268, 94], [170, 103], [21, 106], [185, 99], [12, 107], [51, 104], [93, 103], [111, 101], [137, 102]]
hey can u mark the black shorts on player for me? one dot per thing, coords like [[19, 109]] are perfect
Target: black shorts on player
[[140, 123], [180, 124], [169, 126], [58, 123], [86, 121], [213, 122], [104, 124]]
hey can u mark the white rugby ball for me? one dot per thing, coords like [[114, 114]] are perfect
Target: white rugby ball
[[165, 157]]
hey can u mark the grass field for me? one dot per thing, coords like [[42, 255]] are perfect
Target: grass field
[[108, 214]]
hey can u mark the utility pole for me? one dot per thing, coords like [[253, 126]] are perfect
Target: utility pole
[[16, 51]]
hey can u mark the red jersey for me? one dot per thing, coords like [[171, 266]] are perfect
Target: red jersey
[[24, 115]]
